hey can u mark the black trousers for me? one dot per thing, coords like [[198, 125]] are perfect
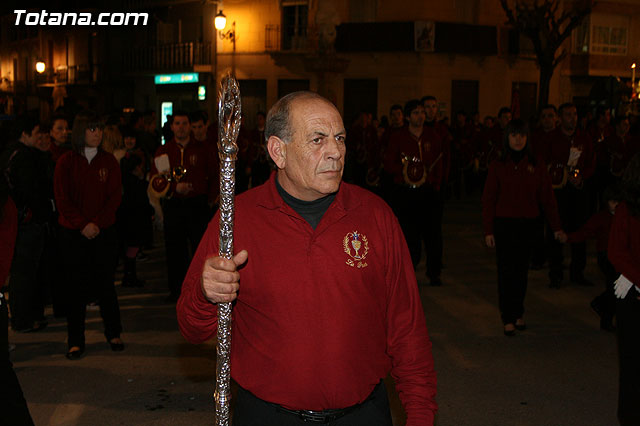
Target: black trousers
[[89, 269], [606, 301], [13, 407], [185, 221], [514, 238], [419, 212], [252, 411], [628, 322], [573, 206], [26, 301]]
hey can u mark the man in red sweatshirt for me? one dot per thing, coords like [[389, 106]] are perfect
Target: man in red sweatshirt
[[328, 302]]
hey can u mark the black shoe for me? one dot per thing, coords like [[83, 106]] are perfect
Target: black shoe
[[75, 352], [141, 257], [509, 330], [130, 278], [521, 325], [554, 283], [116, 346], [37, 326], [132, 281]]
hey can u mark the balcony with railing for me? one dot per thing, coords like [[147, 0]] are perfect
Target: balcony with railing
[[295, 40], [167, 57]]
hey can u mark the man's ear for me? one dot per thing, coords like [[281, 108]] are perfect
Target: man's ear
[[277, 150]]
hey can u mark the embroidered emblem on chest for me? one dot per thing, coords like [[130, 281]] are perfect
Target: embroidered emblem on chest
[[356, 246], [103, 174]]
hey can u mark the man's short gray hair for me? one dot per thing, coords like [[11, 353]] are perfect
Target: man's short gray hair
[[278, 121]]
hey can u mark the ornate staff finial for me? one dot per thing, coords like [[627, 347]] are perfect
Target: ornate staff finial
[[229, 116]]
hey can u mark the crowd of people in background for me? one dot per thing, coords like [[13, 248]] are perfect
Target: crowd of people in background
[[88, 191]]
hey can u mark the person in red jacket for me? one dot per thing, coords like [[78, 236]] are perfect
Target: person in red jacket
[[624, 252], [192, 192], [599, 227], [415, 159], [571, 161], [88, 191], [516, 186], [328, 302]]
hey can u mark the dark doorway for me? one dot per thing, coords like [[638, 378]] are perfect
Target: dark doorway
[[254, 99], [528, 96], [289, 86], [464, 97], [359, 95]]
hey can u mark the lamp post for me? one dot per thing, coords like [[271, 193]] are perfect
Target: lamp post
[[220, 22], [633, 79]]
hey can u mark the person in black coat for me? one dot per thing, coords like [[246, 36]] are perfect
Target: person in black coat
[[135, 212]]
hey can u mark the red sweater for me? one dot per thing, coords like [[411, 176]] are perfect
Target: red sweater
[[598, 227], [58, 150], [517, 190], [404, 143], [87, 192], [557, 152], [624, 244], [620, 151], [8, 232], [317, 324], [202, 167]]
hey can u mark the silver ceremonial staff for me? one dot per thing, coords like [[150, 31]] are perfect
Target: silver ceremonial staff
[[229, 108]]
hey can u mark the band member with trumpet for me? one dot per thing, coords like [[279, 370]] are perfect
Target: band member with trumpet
[[325, 296], [570, 159], [189, 188], [415, 159]]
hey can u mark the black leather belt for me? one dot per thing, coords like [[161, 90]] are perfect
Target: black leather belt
[[322, 417], [325, 416]]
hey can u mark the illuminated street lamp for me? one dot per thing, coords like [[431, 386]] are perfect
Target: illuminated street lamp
[[220, 21], [40, 67]]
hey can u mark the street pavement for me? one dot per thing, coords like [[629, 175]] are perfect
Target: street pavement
[[561, 371]]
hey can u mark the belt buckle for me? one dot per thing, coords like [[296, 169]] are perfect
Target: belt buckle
[[315, 416]]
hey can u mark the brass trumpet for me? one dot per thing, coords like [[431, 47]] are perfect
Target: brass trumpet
[[177, 173]]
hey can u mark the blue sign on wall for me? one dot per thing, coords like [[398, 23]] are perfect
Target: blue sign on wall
[[176, 78]]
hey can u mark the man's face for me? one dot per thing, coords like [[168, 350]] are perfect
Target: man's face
[[569, 119], [129, 142], [504, 119], [93, 136], [397, 118], [59, 132], [199, 129], [31, 139], [314, 159], [417, 116], [180, 127], [548, 118], [431, 109], [43, 143]]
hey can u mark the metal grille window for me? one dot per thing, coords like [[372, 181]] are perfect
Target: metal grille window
[[603, 35]]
